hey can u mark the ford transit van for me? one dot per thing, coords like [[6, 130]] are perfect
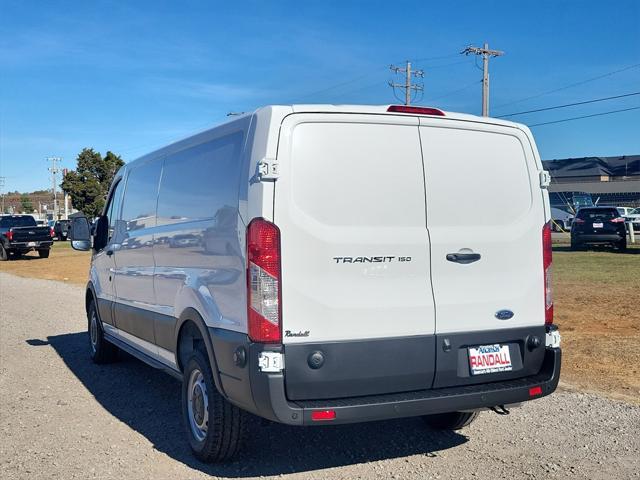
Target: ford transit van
[[303, 264]]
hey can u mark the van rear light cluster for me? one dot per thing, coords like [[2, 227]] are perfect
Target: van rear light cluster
[[546, 263], [52, 233], [263, 282], [9, 235], [415, 110]]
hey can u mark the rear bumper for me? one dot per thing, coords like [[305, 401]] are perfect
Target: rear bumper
[[26, 246], [264, 394], [425, 402], [604, 238]]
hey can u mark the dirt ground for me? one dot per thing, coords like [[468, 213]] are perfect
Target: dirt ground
[[597, 306]]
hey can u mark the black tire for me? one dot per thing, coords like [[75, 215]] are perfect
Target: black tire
[[451, 420], [215, 428], [4, 256], [102, 351], [622, 245], [44, 252], [575, 245]]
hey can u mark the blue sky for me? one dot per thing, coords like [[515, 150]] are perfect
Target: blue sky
[[132, 76]]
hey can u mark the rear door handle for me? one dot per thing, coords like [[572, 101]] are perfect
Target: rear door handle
[[463, 257]]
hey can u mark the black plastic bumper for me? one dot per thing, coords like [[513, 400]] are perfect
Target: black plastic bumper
[[26, 246], [269, 395]]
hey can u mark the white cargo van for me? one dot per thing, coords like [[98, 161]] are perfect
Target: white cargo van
[[302, 263]]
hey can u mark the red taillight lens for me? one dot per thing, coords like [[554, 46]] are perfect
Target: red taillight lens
[[546, 263], [9, 235], [323, 415], [535, 391], [415, 110], [578, 220], [51, 232], [263, 281], [617, 220]]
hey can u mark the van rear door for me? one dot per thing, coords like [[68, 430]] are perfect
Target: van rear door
[[485, 215], [356, 287]]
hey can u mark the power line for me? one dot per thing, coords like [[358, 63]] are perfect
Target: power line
[[585, 116], [408, 86], [570, 104], [486, 54], [608, 74]]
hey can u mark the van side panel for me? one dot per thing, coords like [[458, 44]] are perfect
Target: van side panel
[[197, 250]]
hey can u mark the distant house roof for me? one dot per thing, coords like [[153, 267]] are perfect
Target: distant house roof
[[626, 165]]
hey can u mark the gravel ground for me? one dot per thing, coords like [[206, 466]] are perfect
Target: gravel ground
[[63, 417]]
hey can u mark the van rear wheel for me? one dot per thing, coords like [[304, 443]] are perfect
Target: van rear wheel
[[451, 420], [215, 428]]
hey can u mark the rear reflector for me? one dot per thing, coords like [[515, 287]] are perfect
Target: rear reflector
[[546, 268], [322, 415], [415, 110], [535, 391], [263, 281]]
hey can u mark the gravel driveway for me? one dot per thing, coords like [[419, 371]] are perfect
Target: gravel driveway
[[63, 417]]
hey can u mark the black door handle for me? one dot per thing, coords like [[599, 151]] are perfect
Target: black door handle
[[109, 252], [463, 257]]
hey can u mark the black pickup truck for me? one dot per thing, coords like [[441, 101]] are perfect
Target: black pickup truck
[[20, 234]]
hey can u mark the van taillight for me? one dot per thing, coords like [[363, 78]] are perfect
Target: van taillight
[[263, 281], [546, 263], [9, 235]]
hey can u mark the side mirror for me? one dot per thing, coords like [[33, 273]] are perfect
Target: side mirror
[[80, 234]]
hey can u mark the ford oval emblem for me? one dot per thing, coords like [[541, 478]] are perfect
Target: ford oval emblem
[[504, 314]]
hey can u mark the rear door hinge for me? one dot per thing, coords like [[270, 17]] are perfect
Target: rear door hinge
[[268, 169], [545, 179]]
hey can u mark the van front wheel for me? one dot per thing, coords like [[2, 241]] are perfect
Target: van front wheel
[[451, 420], [215, 427]]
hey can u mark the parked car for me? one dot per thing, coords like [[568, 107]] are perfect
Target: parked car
[[634, 217], [317, 304], [61, 229], [560, 220], [624, 211], [598, 225], [20, 234]]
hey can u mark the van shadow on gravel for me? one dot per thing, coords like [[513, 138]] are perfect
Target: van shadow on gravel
[[148, 401]]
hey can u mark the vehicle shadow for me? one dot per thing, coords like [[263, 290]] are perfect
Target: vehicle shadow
[[148, 401]]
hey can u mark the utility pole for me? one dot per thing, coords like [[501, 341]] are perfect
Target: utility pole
[[486, 53], [2, 179], [54, 169], [408, 87]]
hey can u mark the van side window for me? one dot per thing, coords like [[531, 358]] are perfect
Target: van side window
[[113, 211], [196, 182], [140, 196]]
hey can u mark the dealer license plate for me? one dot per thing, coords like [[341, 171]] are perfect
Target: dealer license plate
[[598, 225], [31, 244], [489, 359]]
